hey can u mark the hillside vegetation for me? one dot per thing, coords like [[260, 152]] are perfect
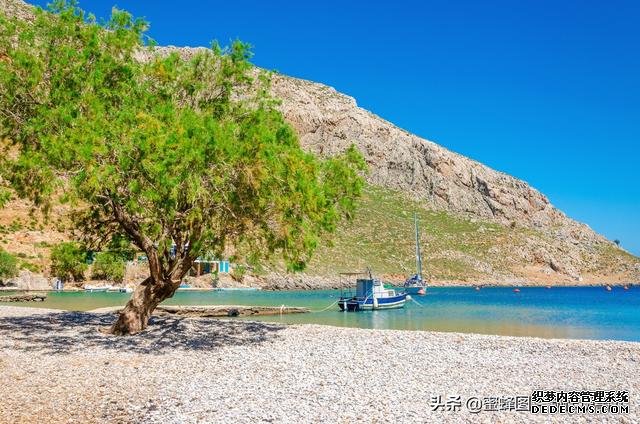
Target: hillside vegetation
[[454, 247]]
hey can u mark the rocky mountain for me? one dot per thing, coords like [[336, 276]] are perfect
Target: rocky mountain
[[328, 122], [524, 237]]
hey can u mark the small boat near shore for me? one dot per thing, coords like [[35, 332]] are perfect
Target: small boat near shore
[[415, 284], [97, 289], [103, 289], [236, 288], [115, 289], [370, 294]]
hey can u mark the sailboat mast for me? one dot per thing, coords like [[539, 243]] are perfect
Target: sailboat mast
[[418, 257]]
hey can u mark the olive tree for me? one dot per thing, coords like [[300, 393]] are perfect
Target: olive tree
[[180, 155]]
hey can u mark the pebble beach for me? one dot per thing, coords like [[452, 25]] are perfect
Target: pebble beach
[[57, 367]]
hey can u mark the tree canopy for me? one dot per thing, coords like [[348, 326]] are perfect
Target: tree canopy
[[68, 261], [171, 151]]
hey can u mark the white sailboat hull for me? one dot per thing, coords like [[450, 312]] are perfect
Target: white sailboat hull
[[415, 290]]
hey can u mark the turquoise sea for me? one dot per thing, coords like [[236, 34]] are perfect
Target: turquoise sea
[[559, 312]]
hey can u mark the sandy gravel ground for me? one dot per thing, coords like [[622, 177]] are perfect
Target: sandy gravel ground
[[55, 367]]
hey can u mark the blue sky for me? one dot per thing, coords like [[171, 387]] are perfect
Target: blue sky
[[548, 91]]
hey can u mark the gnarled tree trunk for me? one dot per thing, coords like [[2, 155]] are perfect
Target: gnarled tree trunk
[[135, 315], [166, 271]]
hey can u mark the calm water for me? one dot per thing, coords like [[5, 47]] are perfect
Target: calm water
[[568, 312]]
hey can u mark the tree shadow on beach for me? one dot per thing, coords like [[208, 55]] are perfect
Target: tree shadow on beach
[[58, 333]]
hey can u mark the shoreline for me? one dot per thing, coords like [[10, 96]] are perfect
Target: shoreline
[[209, 370], [447, 284], [245, 312], [201, 312]]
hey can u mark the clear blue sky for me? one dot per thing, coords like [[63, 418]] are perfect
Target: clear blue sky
[[548, 91]]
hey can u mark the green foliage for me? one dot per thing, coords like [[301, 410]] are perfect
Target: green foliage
[[192, 152], [29, 266], [8, 265], [15, 226], [68, 261], [238, 272], [5, 195], [108, 266], [121, 247]]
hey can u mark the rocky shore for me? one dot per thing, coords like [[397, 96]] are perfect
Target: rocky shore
[[24, 297], [56, 367], [302, 281]]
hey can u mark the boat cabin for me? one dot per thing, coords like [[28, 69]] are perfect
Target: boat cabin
[[369, 287]]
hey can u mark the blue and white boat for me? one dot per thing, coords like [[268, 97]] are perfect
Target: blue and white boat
[[96, 289], [371, 294]]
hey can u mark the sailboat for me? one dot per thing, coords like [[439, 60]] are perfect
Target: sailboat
[[415, 284]]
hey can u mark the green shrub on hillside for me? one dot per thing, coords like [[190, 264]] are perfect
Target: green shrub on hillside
[[108, 266], [35, 268], [68, 261], [15, 226], [238, 272], [8, 265]]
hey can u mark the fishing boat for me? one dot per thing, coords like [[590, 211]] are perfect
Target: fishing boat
[[237, 288], [115, 289], [415, 284], [370, 294], [96, 289]]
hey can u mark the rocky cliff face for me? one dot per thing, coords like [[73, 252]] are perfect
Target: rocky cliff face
[[328, 121]]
